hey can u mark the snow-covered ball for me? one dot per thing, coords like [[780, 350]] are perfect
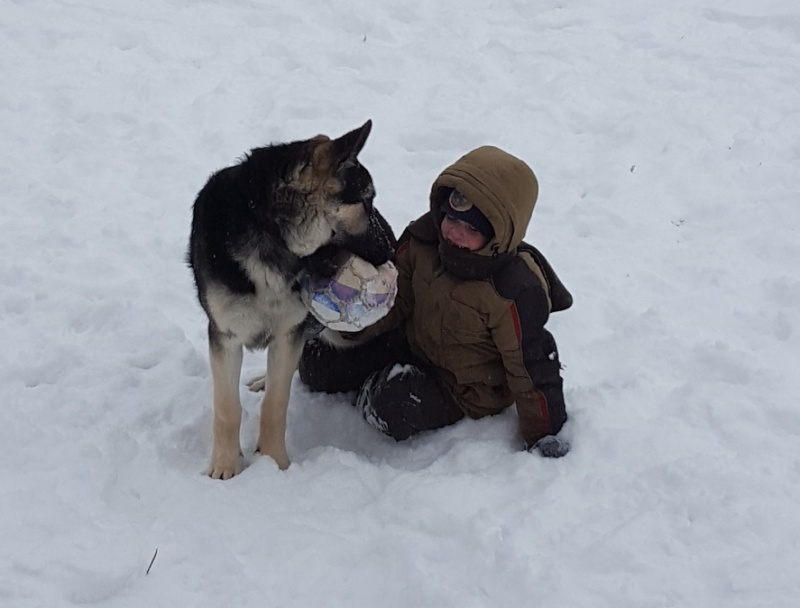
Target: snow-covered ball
[[358, 295]]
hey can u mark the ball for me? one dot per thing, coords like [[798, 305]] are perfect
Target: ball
[[358, 295]]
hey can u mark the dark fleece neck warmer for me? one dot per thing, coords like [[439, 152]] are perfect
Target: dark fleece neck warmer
[[469, 266]]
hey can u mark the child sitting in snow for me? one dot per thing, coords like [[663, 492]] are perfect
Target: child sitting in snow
[[466, 336]]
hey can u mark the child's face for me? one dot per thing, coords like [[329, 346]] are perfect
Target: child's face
[[461, 234]]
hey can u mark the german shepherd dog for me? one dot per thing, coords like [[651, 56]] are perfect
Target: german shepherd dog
[[257, 226]]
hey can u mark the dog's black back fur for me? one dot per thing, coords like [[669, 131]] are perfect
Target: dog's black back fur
[[235, 211]]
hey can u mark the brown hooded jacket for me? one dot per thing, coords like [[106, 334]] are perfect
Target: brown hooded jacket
[[479, 317]]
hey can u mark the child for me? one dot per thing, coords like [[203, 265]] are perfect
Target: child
[[466, 336]]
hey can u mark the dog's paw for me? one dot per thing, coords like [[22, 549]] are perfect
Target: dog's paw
[[257, 384], [225, 468], [279, 456]]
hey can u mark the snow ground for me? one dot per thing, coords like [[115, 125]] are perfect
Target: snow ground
[[664, 135]]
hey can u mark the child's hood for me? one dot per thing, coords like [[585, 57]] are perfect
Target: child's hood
[[502, 186]]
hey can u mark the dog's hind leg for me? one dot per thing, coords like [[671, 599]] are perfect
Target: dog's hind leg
[[257, 384], [226, 365], [283, 356]]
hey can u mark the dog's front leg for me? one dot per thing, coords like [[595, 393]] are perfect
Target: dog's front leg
[[283, 356], [226, 365]]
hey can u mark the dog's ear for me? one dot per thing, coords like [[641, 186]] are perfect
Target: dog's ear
[[329, 155], [326, 157], [350, 144]]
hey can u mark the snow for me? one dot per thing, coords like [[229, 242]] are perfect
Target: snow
[[399, 369], [664, 136]]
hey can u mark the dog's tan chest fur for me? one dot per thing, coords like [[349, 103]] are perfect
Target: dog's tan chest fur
[[273, 310]]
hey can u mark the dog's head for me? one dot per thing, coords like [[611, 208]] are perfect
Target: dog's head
[[330, 192]]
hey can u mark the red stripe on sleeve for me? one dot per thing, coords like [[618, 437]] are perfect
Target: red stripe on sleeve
[[544, 411], [515, 319]]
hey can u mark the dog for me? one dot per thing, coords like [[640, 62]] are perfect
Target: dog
[[257, 227]]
